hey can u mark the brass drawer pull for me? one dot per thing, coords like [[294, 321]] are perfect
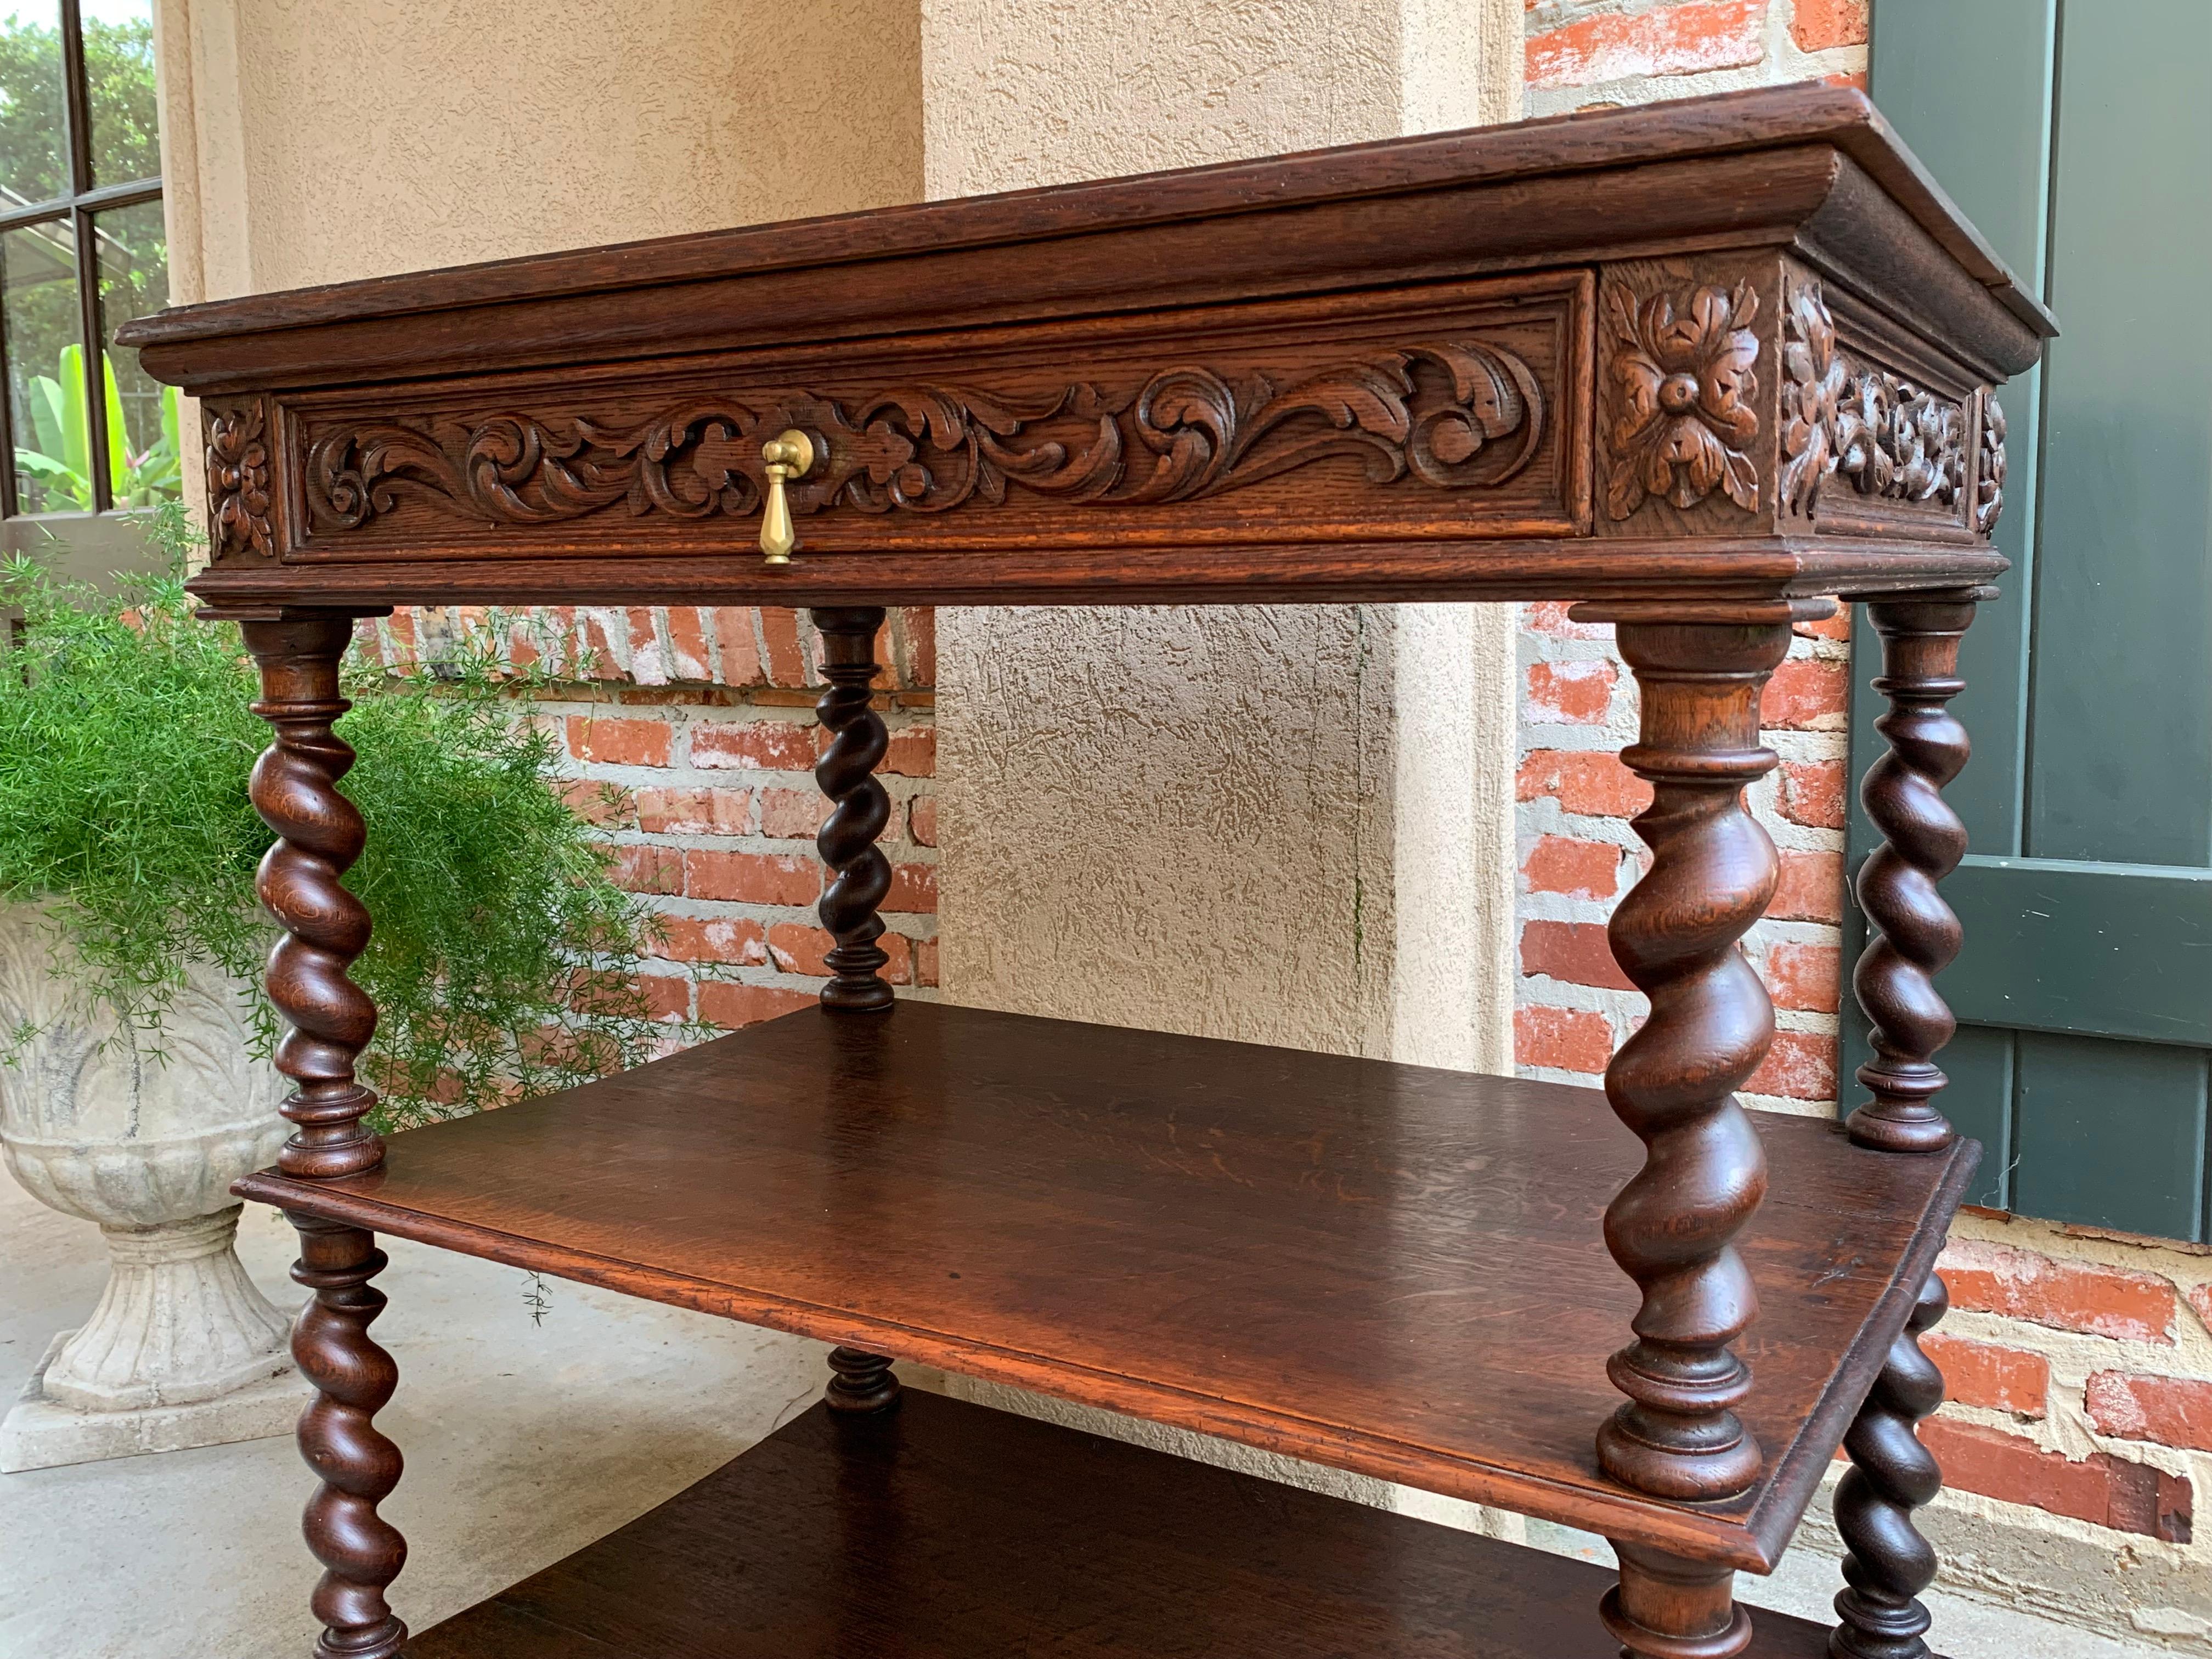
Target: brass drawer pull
[[788, 455]]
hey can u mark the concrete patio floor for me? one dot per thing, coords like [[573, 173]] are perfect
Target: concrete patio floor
[[525, 1438]]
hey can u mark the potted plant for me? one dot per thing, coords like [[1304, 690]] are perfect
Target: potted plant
[[135, 1084]]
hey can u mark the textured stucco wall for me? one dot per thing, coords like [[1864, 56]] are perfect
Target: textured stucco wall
[[1287, 824], [1281, 824], [311, 141], [317, 141]]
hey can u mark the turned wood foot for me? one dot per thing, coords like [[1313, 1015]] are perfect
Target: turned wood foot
[[862, 1382], [846, 773], [1912, 933], [1886, 1563], [1673, 1083], [361, 1552], [1666, 1606]]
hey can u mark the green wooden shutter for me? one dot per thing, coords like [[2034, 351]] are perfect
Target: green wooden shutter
[[2078, 136]]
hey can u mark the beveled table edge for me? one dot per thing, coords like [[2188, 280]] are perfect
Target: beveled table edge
[[1683, 129]]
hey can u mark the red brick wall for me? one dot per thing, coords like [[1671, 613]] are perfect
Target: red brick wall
[[1578, 854], [1631, 52], [2079, 1366], [691, 739]]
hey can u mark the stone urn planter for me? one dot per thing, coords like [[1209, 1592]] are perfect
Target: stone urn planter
[[143, 1138]]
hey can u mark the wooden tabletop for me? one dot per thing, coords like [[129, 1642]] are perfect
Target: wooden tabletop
[[1737, 347]]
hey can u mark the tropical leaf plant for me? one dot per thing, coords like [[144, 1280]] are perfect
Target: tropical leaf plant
[[62, 463]]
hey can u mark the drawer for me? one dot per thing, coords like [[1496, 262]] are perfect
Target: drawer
[[1437, 413]]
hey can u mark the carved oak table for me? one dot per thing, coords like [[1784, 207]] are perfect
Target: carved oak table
[[1698, 367]]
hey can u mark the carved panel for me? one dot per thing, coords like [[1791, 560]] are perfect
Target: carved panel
[[1460, 416], [238, 479], [1990, 478], [1682, 395], [1858, 440], [1451, 415]]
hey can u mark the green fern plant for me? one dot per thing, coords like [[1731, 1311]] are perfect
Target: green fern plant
[[503, 961]]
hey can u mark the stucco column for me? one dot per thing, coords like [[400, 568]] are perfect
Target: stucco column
[[318, 140], [1286, 824]]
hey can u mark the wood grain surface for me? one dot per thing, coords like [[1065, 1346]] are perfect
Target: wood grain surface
[[1385, 1268], [1372, 372], [1653, 135], [942, 1530]]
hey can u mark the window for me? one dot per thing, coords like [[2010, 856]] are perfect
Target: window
[[81, 249]]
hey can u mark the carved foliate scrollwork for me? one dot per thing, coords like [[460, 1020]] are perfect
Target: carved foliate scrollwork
[[1896, 441], [1813, 386], [1435, 412], [238, 480], [1989, 480], [1683, 384], [1892, 439]]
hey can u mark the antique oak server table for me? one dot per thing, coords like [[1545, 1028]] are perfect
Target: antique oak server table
[[1698, 366]]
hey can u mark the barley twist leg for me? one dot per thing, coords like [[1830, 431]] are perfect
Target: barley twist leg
[[1914, 935], [1886, 1563], [361, 1552], [1673, 1083], [846, 773]]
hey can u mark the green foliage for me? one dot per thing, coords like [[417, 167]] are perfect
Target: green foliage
[[503, 959], [63, 463], [118, 68], [44, 320]]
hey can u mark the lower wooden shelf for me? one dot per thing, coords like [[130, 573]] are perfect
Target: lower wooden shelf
[[943, 1531], [1384, 1268]]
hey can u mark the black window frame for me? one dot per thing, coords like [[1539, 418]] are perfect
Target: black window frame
[[76, 207]]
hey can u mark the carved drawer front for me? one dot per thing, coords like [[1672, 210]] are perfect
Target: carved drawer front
[[1444, 413]]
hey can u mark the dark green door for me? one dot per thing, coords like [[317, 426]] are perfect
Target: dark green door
[[2078, 134]]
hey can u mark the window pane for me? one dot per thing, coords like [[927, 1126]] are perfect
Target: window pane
[[45, 369], [33, 155], [141, 414], [118, 73]]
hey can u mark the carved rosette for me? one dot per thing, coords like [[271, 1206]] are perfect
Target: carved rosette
[[1890, 439], [1447, 415], [238, 480], [1682, 415]]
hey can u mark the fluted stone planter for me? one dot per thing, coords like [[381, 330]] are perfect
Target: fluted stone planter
[[145, 1140]]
